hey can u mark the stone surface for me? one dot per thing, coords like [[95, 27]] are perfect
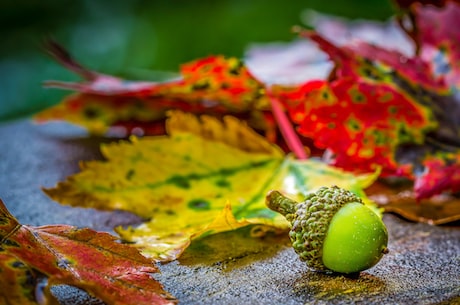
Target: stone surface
[[423, 266]]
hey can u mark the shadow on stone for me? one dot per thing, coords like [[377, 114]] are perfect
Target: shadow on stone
[[234, 249]]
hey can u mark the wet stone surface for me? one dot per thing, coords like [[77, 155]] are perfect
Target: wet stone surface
[[422, 267]]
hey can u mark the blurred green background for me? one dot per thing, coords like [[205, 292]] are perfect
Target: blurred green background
[[134, 38]]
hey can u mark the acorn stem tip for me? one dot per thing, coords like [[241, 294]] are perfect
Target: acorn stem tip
[[280, 203]]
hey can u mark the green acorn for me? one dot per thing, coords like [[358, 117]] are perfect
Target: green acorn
[[332, 230]]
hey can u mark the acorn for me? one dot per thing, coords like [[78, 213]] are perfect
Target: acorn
[[332, 230]]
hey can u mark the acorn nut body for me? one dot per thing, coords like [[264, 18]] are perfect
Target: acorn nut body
[[332, 230]]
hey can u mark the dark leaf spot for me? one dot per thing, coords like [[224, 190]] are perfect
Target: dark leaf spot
[[179, 181], [199, 205]]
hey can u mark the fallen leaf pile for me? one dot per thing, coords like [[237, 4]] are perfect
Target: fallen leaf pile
[[378, 108]]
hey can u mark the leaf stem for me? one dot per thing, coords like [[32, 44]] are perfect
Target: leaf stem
[[288, 132]]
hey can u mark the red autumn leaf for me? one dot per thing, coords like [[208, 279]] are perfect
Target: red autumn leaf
[[359, 114], [435, 30], [375, 111], [440, 174], [93, 261], [215, 85], [224, 81]]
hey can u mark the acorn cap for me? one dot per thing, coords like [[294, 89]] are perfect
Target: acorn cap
[[310, 219]]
